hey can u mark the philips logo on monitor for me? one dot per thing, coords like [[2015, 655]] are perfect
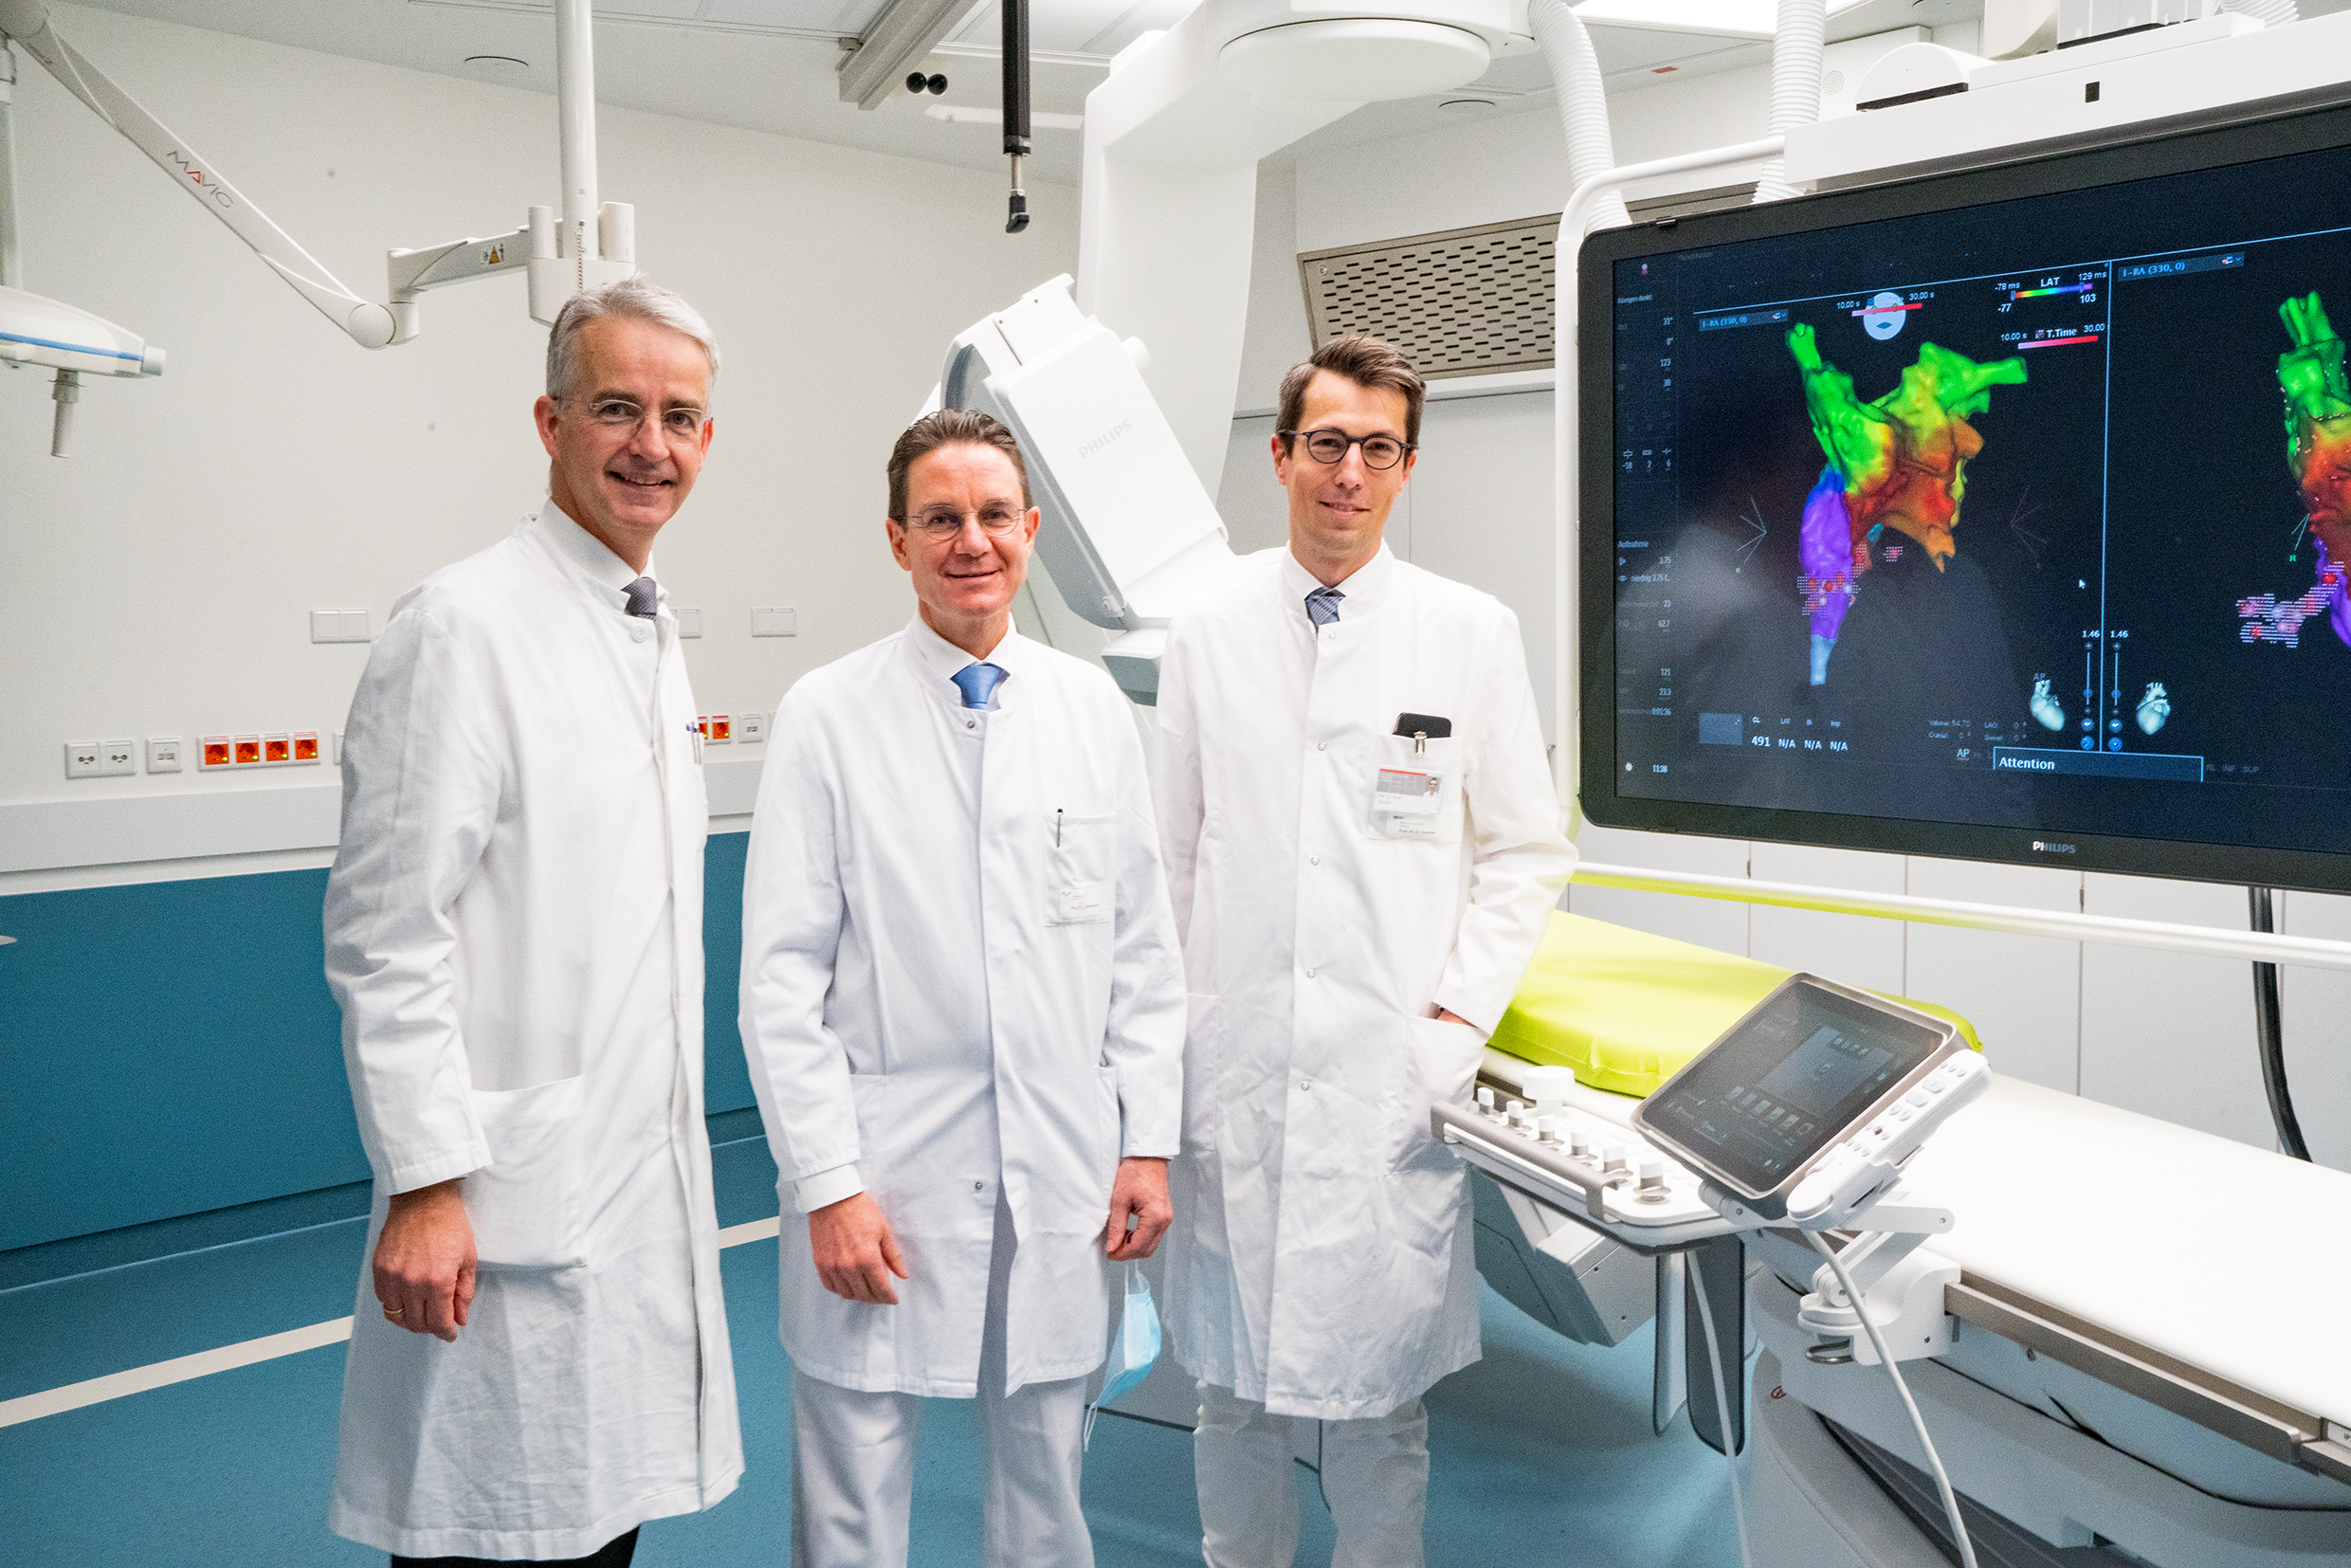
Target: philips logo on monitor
[[2045, 848]]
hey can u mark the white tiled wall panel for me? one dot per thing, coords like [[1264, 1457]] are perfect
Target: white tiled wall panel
[[1852, 949], [2171, 1034], [2023, 994]]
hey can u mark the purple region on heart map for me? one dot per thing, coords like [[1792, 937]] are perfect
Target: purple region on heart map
[[1826, 550]]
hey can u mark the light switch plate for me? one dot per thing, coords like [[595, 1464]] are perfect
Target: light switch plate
[[784, 621], [339, 626], [689, 620]]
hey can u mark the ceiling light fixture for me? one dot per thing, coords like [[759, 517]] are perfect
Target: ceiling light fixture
[[496, 64]]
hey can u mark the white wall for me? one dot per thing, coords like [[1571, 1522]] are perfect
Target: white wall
[[160, 578], [2168, 1035]]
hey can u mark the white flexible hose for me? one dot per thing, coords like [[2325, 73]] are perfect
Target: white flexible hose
[[1797, 46], [2275, 14], [1917, 1422], [1583, 106], [1723, 1408]]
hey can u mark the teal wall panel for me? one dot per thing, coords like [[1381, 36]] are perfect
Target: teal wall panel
[[170, 1047], [726, 1075]]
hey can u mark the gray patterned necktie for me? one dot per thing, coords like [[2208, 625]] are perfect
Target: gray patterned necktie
[[644, 598], [1322, 606]]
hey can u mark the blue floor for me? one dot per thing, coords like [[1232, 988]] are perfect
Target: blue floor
[[1541, 1452]]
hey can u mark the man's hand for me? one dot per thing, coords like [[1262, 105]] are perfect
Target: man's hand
[[425, 1261], [856, 1252], [1139, 1194], [1447, 1015]]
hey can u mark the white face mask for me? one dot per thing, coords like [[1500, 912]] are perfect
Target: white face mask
[[1133, 1348]]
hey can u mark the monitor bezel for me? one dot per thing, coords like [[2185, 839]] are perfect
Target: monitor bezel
[[2155, 155]]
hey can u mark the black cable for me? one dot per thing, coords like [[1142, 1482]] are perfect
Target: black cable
[[2270, 1025]]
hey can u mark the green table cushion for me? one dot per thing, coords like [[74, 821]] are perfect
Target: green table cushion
[[1624, 1010]]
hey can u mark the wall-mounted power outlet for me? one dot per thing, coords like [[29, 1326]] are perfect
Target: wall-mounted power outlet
[[100, 758]]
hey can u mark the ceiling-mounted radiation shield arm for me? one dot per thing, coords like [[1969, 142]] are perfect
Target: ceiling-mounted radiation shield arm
[[1016, 108], [591, 243], [26, 23]]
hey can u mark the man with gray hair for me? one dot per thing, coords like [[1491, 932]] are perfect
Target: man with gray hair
[[539, 1360]]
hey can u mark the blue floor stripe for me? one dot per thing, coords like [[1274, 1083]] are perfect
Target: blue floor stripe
[[1541, 1453]]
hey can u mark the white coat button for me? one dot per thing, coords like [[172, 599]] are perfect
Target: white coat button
[[971, 723], [1314, 860], [1305, 1084], [1309, 974], [1322, 745], [979, 1186], [638, 633]]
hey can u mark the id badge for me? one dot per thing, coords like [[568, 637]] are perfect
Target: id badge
[[1080, 903], [1404, 800]]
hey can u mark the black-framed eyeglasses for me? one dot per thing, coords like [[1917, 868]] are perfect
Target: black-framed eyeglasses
[[1327, 445]]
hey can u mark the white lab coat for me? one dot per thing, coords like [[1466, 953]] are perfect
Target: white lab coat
[[958, 970], [1321, 1256], [514, 932]]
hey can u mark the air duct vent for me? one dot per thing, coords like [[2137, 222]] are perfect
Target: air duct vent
[[1467, 301]]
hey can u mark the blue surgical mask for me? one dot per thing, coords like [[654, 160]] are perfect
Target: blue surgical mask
[[1133, 1348]]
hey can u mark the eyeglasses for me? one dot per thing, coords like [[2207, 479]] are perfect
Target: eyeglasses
[[679, 421], [1330, 447], [939, 523]]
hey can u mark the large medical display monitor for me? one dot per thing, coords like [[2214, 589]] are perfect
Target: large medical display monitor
[[2004, 516]]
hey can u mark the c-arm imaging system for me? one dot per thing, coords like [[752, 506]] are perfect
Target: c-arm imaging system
[[595, 243]]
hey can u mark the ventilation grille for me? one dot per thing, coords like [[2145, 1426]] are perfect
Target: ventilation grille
[[1469, 302]]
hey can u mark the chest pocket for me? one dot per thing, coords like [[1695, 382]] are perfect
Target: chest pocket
[[1079, 886], [1415, 789]]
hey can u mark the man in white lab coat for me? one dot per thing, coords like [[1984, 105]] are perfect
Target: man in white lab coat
[[963, 1006], [1363, 846], [539, 1360]]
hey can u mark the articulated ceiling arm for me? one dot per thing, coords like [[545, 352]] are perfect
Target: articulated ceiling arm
[[27, 22]]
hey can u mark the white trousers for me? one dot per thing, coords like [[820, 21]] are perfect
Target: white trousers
[[852, 1464], [1375, 1475]]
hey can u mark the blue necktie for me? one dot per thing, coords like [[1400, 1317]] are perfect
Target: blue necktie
[[1322, 606], [644, 598], [977, 684]]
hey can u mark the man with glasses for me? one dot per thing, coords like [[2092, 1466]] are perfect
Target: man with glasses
[[963, 1006], [539, 1360], [1362, 847]]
